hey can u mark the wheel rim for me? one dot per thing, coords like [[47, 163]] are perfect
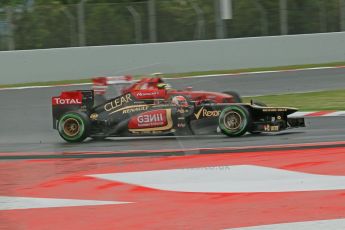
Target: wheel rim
[[71, 127], [232, 121]]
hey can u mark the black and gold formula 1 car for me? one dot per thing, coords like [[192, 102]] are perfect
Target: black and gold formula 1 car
[[76, 116]]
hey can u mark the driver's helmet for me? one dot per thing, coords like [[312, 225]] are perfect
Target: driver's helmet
[[163, 86], [180, 101]]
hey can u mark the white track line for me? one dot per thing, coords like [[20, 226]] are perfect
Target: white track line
[[43, 86], [258, 72], [199, 76]]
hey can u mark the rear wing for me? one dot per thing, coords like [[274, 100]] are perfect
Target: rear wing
[[81, 100], [101, 84]]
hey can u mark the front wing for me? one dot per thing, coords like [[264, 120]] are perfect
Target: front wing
[[276, 126]]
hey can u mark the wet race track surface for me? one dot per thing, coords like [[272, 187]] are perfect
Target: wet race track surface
[[27, 122], [195, 182]]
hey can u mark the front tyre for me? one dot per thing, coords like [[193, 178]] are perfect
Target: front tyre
[[74, 126], [234, 121]]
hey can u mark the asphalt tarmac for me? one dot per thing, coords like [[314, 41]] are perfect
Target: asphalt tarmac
[[102, 190], [26, 124], [269, 83]]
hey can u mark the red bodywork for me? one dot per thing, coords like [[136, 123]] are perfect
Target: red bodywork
[[147, 89], [150, 119]]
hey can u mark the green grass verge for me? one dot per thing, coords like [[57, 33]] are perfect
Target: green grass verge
[[183, 74], [291, 67], [323, 100]]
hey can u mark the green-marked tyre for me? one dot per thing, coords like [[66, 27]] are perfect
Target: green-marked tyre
[[74, 126], [234, 120]]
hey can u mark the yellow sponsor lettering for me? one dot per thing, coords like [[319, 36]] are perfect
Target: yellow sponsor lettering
[[214, 113], [271, 128], [274, 110], [117, 102], [206, 113], [134, 109], [275, 128]]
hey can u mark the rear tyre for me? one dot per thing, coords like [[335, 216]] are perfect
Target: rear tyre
[[74, 126], [236, 96], [234, 121]]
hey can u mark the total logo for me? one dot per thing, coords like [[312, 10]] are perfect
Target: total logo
[[206, 113], [67, 101]]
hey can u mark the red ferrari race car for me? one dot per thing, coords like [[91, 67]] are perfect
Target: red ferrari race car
[[155, 89]]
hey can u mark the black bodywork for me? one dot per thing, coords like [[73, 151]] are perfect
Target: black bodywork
[[120, 116]]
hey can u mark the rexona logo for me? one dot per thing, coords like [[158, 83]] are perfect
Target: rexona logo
[[151, 119], [206, 113], [118, 102], [67, 101]]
